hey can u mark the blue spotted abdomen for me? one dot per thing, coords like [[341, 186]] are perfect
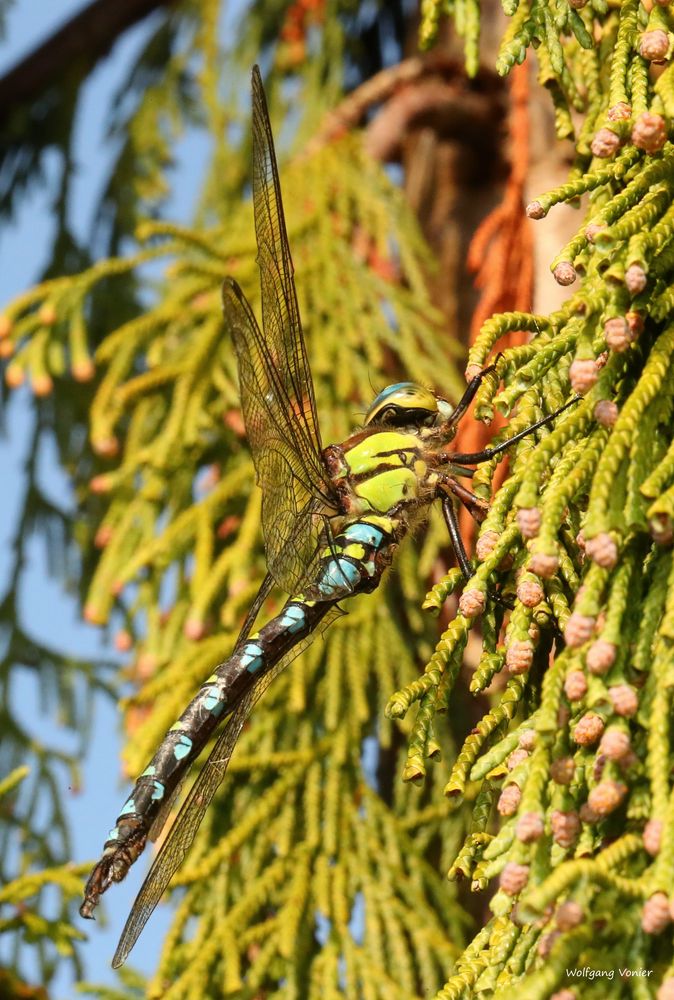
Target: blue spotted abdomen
[[351, 563]]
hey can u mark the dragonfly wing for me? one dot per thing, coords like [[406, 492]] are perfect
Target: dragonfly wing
[[287, 459], [287, 365], [181, 835], [277, 391]]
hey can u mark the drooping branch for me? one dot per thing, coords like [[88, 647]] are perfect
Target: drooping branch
[[85, 38]]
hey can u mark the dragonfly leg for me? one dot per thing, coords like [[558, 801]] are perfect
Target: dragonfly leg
[[469, 394], [484, 456], [476, 506], [452, 522]]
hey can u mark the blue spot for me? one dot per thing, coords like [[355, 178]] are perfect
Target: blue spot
[[252, 657], [339, 575], [182, 748], [213, 701], [114, 834], [367, 534], [128, 807], [149, 771], [294, 617], [158, 791]]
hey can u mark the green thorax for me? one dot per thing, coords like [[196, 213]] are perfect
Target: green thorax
[[384, 470]]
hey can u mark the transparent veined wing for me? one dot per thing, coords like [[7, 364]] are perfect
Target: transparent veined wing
[[180, 837], [277, 393], [289, 472]]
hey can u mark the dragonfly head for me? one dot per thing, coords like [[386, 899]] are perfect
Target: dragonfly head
[[407, 404]]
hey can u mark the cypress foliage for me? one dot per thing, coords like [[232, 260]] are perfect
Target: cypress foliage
[[311, 875]]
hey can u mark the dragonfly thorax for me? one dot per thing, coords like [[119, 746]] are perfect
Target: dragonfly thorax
[[406, 404], [380, 471]]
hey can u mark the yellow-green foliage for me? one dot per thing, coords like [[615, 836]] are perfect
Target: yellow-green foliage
[[23, 898], [301, 863], [563, 787], [584, 842]]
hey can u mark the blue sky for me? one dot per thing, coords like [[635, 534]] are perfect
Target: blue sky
[[24, 249]]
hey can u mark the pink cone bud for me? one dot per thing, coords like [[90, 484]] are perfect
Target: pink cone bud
[[515, 758], [592, 229], [615, 744], [635, 321], [618, 334], [544, 565], [103, 536], [514, 877], [598, 767], [519, 656], [588, 814], [42, 385], [605, 143], [527, 739], [529, 521], [578, 629], [471, 603], [603, 550], [194, 629], [606, 412], [47, 314], [666, 988], [565, 828], [564, 273], [635, 279], [655, 915], [649, 132], [535, 210], [575, 685], [530, 592], [107, 447], [146, 666], [123, 641], [486, 544], [583, 375], [620, 112], [653, 836], [624, 700], [601, 656], [530, 827], [589, 729], [546, 943], [606, 796], [509, 800], [653, 45]]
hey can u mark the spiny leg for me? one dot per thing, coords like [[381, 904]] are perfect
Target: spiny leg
[[469, 394], [484, 456], [470, 502], [452, 522], [475, 505]]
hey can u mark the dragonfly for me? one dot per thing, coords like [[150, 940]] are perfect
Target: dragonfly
[[332, 519]]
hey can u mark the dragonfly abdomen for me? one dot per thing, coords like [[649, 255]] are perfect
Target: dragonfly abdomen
[[351, 562]]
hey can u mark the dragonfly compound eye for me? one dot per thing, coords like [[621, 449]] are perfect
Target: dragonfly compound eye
[[404, 404]]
